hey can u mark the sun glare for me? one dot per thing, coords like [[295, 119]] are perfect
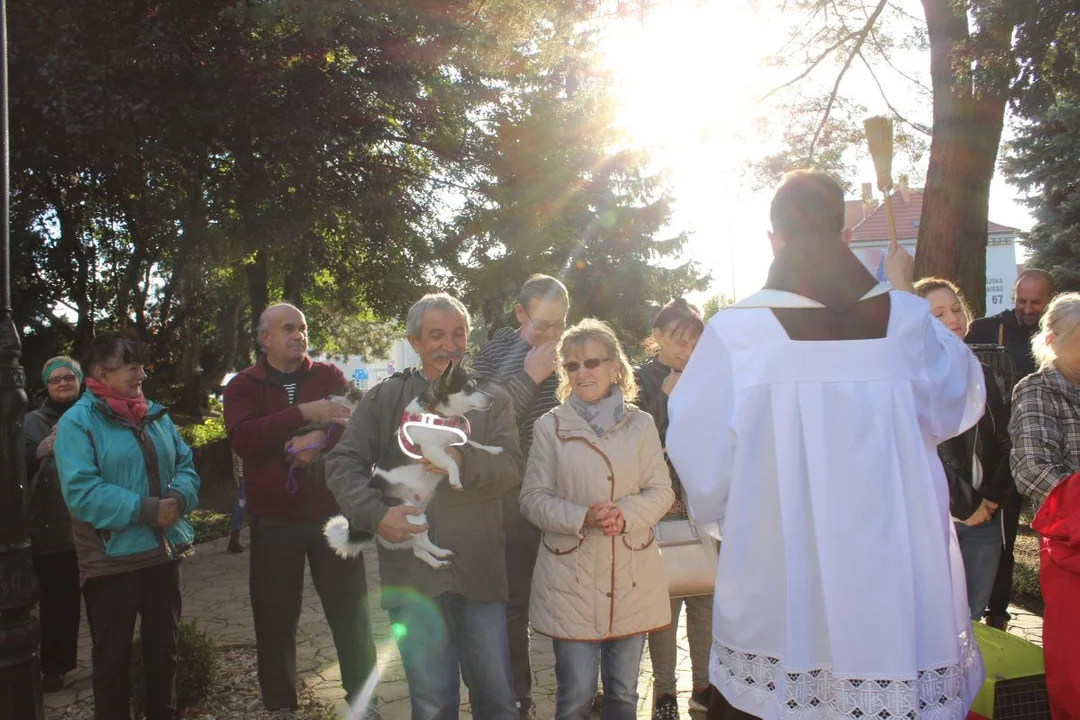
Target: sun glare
[[687, 79]]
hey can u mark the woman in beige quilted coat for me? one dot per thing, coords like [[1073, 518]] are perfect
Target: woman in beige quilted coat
[[596, 484]]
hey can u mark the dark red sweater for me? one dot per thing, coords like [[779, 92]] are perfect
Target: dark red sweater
[[260, 420]]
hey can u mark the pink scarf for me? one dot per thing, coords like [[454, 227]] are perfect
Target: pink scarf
[[131, 409]]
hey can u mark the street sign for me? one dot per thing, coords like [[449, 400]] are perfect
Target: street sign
[[360, 374]]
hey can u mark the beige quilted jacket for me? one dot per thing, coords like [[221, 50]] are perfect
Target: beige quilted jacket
[[587, 586]]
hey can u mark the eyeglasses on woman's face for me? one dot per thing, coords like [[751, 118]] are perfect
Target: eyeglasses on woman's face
[[590, 364], [63, 379]]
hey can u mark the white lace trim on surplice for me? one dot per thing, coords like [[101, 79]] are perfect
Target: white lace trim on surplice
[[935, 693]]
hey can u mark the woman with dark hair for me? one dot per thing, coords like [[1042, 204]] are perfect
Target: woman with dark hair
[[53, 548], [675, 333], [129, 481], [976, 462]]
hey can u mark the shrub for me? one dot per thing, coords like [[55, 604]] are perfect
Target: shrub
[[209, 525], [198, 668], [211, 429]]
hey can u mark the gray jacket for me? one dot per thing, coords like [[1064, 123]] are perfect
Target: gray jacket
[[469, 523]]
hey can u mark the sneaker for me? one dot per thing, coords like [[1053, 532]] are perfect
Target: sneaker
[[52, 682], [283, 714], [699, 700], [526, 709], [666, 708]]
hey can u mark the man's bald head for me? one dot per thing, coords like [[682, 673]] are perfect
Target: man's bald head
[[283, 336], [1034, 291]]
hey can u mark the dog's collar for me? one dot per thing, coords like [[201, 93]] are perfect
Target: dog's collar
[[457, 425]]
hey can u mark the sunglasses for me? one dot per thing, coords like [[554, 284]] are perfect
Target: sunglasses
[[590, 364], [62, 379]]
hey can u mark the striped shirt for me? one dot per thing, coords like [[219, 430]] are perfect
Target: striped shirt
[[502, 360], [288, 381]]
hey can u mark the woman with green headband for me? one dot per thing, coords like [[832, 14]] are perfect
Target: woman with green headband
[[50, 525]]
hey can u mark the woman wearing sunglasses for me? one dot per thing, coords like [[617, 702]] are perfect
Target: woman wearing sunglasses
[[595, 485], [53, 547]]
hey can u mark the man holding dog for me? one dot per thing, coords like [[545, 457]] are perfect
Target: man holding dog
[[280, 422], [523, 360], [449, 624]]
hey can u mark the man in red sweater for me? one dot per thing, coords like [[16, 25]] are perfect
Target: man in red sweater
[[280, 422]]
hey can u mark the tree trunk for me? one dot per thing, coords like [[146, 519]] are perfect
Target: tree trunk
[[963, 153], [228, 341], [258, 287], [79, 285]]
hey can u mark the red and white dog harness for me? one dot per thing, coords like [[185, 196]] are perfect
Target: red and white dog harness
[[458, 425]]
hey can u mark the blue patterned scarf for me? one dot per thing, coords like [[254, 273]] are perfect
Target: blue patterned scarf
[[603, 414]]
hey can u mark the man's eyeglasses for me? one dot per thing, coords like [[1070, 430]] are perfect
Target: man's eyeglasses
[[61, 379], [590, 364], [546, 327]]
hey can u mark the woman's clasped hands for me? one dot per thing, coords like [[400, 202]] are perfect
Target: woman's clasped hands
[[607, 517]]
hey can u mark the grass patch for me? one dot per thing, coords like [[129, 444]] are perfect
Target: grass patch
[[209, 525], [1026, 591]]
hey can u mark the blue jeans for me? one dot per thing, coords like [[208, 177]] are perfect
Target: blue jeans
[[576, 665], [980, 547], [450, 637], [238, 509]]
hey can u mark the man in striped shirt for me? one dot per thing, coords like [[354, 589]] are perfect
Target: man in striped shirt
[[523, 361]]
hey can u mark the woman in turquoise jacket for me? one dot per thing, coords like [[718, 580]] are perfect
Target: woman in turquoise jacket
[[129, 482]]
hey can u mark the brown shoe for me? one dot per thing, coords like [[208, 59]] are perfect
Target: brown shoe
[[234, 543], [998, 623]]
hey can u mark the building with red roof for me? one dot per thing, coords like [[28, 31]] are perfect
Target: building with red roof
[[870, 240]]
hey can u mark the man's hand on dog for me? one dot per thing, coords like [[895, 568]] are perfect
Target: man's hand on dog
[[395, 526], [325, 412], [540, 362], [454, 454], [304, 458]]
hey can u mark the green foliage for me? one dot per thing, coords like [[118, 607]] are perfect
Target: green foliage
[[555, 192], [197, 671], [1044, 162], [211, 429], [714, 304], [222, 156], [209, 525]]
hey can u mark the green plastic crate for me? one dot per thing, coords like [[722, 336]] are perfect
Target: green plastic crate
[[1015, 684]]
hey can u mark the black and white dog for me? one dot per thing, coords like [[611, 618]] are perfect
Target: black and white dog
[[431, 423]]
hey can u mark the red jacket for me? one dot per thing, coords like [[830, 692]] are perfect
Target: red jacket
[[259, 421], [1058, 524]]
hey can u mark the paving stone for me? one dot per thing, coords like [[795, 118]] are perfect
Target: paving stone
[[215, 596]]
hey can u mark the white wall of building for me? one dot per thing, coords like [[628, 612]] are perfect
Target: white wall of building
[[365, 374], [1000, 267]]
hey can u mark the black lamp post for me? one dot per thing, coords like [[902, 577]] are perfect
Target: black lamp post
[[20, 632]]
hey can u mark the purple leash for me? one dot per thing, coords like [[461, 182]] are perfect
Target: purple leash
[[291, 485]]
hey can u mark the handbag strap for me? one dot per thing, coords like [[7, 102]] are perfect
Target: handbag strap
[[784, 299]]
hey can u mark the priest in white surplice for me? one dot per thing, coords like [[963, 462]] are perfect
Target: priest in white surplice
[[807, 423]]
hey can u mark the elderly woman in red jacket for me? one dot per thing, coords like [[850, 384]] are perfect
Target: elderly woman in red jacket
[[1045, 431]]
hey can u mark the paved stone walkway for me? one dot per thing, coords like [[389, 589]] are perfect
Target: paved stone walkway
[[215, 597]]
